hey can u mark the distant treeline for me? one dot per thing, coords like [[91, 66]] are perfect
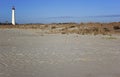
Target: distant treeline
[[5, 23]]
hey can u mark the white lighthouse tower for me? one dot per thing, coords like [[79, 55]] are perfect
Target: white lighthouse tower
[[13, 15]]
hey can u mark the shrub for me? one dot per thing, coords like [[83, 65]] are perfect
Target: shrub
[[53, 27], [116, 27]]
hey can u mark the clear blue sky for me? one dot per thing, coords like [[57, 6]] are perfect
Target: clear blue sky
[[31, 11]]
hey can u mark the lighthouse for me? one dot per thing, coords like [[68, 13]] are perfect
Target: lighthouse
[[13, 15]]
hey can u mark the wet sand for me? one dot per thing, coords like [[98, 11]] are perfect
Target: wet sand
[[30, 53]]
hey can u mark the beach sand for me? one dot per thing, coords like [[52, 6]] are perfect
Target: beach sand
[[31, 53]]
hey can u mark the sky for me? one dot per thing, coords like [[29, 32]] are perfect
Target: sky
[[38, 11]]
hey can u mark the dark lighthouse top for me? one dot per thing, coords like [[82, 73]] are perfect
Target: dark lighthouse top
[[13, 8]]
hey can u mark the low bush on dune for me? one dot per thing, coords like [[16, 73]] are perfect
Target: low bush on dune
[[70, 28]]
